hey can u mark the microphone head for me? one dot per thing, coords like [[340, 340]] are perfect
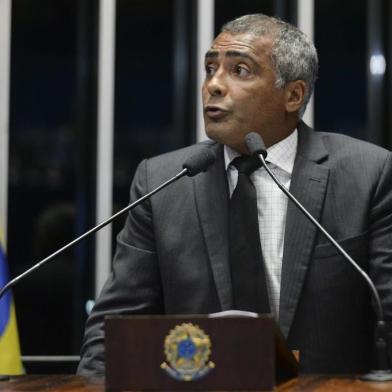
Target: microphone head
[[199, 161], [255, 145]]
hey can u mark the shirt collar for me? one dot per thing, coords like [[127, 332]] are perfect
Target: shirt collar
[[281, 154]]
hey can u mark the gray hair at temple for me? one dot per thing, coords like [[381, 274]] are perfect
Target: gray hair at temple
[[294, 56]]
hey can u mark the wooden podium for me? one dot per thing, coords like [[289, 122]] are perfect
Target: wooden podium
[[195, 353]]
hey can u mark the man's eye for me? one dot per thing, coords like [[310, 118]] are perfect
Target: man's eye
[[210, 69], [241, 70]]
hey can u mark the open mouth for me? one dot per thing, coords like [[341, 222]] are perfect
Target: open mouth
[[215, 112]]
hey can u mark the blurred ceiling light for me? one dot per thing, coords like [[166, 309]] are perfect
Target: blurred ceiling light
[[377, 64]]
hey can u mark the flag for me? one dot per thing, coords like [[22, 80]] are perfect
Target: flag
[[10, 359]]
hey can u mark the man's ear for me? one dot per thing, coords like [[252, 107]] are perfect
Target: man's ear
[[295, 94]]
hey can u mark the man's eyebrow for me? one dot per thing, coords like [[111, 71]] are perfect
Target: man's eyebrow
[[212, 54]]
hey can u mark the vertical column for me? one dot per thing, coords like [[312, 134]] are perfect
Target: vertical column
[[5, 47], [388, 62], [376, 73], [205, 35], [286, 10], [305, 15], [181, 59], [104, 205]]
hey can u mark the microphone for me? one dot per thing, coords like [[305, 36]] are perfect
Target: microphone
[[382, 371], [255, 145], [200, 161]]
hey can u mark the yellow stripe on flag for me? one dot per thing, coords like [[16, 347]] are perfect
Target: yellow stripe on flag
[[10, 361]]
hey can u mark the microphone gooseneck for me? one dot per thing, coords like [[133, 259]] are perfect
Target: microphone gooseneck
[[382, 372], [201, 160]]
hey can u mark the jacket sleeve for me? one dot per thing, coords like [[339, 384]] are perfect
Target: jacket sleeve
[[380, 251], [134, 286]]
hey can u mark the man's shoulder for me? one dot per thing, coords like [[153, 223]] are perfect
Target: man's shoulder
[[336, 145], [352, 160], [343, 153], [351, 152], [339, 142]]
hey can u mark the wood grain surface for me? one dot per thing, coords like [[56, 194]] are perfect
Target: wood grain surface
[[71, 383]]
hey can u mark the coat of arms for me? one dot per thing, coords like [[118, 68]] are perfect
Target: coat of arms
[[187, 350]]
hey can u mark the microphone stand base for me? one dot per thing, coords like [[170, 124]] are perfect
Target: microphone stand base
[[377, 376]]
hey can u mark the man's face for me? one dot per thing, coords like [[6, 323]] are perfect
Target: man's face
[[239, 92]]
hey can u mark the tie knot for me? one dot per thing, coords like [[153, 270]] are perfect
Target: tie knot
[[246, 164]]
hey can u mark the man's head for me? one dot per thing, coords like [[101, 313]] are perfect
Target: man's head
[[260, 74]]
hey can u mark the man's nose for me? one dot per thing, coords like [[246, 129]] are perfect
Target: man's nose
[[216, 85]]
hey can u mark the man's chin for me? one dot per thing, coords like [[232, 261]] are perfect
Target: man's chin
[[224, 136], [216, 135], [218, 132]]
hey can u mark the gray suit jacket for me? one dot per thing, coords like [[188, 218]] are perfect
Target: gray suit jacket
[[172, 255]]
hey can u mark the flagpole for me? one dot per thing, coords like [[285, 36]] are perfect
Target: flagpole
[[5, 46]]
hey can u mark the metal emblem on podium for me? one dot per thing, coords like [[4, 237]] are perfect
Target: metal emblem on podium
[[187, 350]]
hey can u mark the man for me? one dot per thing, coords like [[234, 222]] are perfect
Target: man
[[174, 254]]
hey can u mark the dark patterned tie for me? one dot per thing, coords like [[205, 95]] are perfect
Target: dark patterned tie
[[246, 260]]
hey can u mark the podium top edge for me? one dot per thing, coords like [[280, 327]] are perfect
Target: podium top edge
[[225, 315]]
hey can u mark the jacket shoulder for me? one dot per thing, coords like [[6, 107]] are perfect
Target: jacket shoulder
[[339, 141]]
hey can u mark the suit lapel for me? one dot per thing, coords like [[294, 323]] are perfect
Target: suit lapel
[[211, 192], [308, 185]]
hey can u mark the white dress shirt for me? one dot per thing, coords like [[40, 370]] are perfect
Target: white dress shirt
[[271, 207]]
